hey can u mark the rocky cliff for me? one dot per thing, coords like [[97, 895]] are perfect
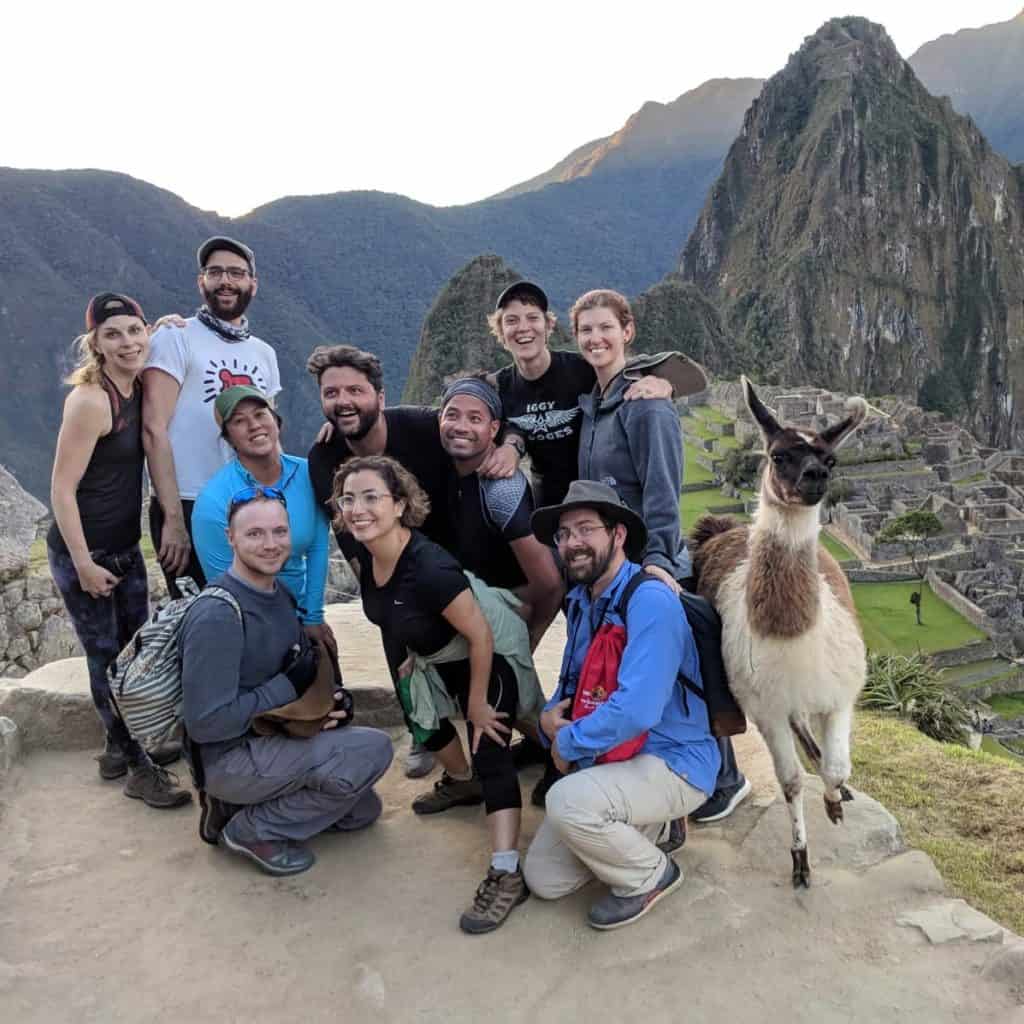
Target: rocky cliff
[[864, 235]]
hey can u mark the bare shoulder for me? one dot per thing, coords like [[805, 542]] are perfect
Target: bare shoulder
[[87, 403]]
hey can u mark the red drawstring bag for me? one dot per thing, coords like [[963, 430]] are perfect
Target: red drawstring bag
[[599, 679]]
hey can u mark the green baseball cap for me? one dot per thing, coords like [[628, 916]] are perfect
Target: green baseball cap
[[227, 401]]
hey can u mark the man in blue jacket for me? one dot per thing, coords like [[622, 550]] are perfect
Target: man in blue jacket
[[603, 820]]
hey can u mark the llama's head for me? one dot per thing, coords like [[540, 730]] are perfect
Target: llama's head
[[800, 462]]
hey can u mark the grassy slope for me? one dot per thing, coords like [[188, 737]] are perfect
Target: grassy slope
[[935, 791], [889, 623], [1009, 705], [840, 552]]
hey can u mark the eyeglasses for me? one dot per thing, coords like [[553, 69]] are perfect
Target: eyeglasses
[[371, 499], [216, 273], [584, 533], [247, 494]]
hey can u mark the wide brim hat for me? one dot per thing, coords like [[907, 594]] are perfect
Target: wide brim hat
[[602, 499], [686, 376]]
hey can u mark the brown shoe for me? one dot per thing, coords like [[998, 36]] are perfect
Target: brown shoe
[[496, 896], [449, 792], [155, 787]]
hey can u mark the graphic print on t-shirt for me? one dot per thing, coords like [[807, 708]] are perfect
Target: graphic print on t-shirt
[[543, 422], [218, 376]]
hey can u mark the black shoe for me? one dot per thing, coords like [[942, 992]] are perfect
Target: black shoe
[[722, 803], [274, 856], [113, 764], [214, 814], [155, 787], [528, 751], [676, 838]]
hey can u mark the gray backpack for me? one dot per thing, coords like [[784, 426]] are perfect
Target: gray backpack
[[145, 678]]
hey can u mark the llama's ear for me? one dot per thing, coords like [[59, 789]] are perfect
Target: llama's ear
[[765, 420], [835, 435]]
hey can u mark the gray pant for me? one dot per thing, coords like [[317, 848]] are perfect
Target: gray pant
[[297, 788]]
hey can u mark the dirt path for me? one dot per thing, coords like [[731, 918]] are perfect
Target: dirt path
[[113, 912]]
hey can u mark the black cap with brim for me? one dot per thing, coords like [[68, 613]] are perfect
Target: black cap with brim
[[685, 376], [523, 290], [224, 243], [603, 500]]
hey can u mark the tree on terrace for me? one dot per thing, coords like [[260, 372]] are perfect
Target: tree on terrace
[[913, 530]]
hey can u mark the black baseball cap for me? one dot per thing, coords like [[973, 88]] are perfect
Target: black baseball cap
[[524, 291], [229, 245], [107, 304]]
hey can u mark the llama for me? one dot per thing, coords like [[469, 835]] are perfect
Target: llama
[[791, 640]]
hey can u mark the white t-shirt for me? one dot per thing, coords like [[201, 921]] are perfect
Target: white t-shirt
[[204, 364]]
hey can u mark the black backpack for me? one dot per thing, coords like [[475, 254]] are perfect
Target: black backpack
[[724, 714]]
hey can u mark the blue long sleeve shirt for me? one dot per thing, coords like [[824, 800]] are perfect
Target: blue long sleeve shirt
[[305, 572], [659, 646]]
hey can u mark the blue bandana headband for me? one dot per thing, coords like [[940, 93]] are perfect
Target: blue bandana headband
[[475, 388]]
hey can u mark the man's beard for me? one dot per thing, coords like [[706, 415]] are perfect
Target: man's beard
[[227, 307], [367, 420], [590, 572]]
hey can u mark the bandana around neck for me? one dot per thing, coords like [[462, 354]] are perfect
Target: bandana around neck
[[229, 332]]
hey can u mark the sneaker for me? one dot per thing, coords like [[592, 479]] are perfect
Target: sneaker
[[496, 896], [615, 911], [722, 803], [214, 814], [418, 761], [112, 762], [155, 787], [165, 752], [274, 856], [526, 752], [449, 792], [676, 838]]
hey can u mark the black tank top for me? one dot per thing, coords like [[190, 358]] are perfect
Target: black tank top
[[109, 494]]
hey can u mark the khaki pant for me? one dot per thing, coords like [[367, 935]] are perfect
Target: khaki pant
[[604, 822]]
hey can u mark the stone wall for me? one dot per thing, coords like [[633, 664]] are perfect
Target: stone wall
[[34, 627], [968, 609]]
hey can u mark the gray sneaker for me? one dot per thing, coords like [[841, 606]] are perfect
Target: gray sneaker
[[418, 761], [496, 897], [155, 787], [615, 911], [449, 792]]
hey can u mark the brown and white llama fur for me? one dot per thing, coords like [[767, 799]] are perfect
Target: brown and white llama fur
[[791, 640]]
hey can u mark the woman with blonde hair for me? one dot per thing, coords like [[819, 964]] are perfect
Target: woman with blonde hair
[[93, 544]]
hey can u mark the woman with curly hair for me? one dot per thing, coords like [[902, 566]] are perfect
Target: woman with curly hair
[[93, 544], [423, 603]]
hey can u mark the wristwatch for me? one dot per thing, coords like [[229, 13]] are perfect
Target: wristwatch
[[516, 442]]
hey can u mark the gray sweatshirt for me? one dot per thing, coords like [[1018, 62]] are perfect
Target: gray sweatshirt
[[637, 448], [230, 674]]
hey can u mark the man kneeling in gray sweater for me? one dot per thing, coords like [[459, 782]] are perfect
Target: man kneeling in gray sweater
[[264, 795]]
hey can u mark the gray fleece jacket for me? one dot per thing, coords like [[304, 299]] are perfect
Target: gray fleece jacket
[[637, 448]]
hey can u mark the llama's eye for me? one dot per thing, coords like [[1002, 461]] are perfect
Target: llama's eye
[[778, 458]]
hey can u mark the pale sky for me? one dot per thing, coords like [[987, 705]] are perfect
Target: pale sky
[[231, 105]]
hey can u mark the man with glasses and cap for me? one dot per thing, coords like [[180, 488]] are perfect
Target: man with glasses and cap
[[190, 364], [263, 796], [605, 817]]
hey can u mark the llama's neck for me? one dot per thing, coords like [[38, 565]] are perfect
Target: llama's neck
[[782, 580]]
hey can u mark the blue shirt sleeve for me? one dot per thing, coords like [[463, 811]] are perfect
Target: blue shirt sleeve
[[647, 675], [209, 530], [317, 558]]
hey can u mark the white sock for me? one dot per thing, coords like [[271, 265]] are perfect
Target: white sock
[[505, 860], [461, 776]]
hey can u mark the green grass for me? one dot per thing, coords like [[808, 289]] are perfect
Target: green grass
[[974, 673], [961, 807], [1009, 705], [840, 552], [992, 746], [889, 624], [694, 428], [710, 414], [968, 480], [694, 472]]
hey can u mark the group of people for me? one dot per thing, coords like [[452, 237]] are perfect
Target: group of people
[[462, 561]]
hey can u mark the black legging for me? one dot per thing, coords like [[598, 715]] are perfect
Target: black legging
[[492, 762]]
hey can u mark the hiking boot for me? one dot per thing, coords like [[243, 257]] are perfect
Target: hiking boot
[[214, 814], [676, 837], [449, 792], [615, 911], [722, 803], [526, 752], [165, 752], [274, 856], [496, 896], [155, 787], [418, 761], [112, 762]]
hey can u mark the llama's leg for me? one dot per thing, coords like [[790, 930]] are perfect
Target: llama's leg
[[790, 773], [835, 762]]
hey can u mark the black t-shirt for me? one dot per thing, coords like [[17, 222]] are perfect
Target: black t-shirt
[[546, 411], [487, 515], [414, 441], [408, 608]]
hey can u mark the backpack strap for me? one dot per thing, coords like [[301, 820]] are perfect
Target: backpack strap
[[221, 594], [622, 606]]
